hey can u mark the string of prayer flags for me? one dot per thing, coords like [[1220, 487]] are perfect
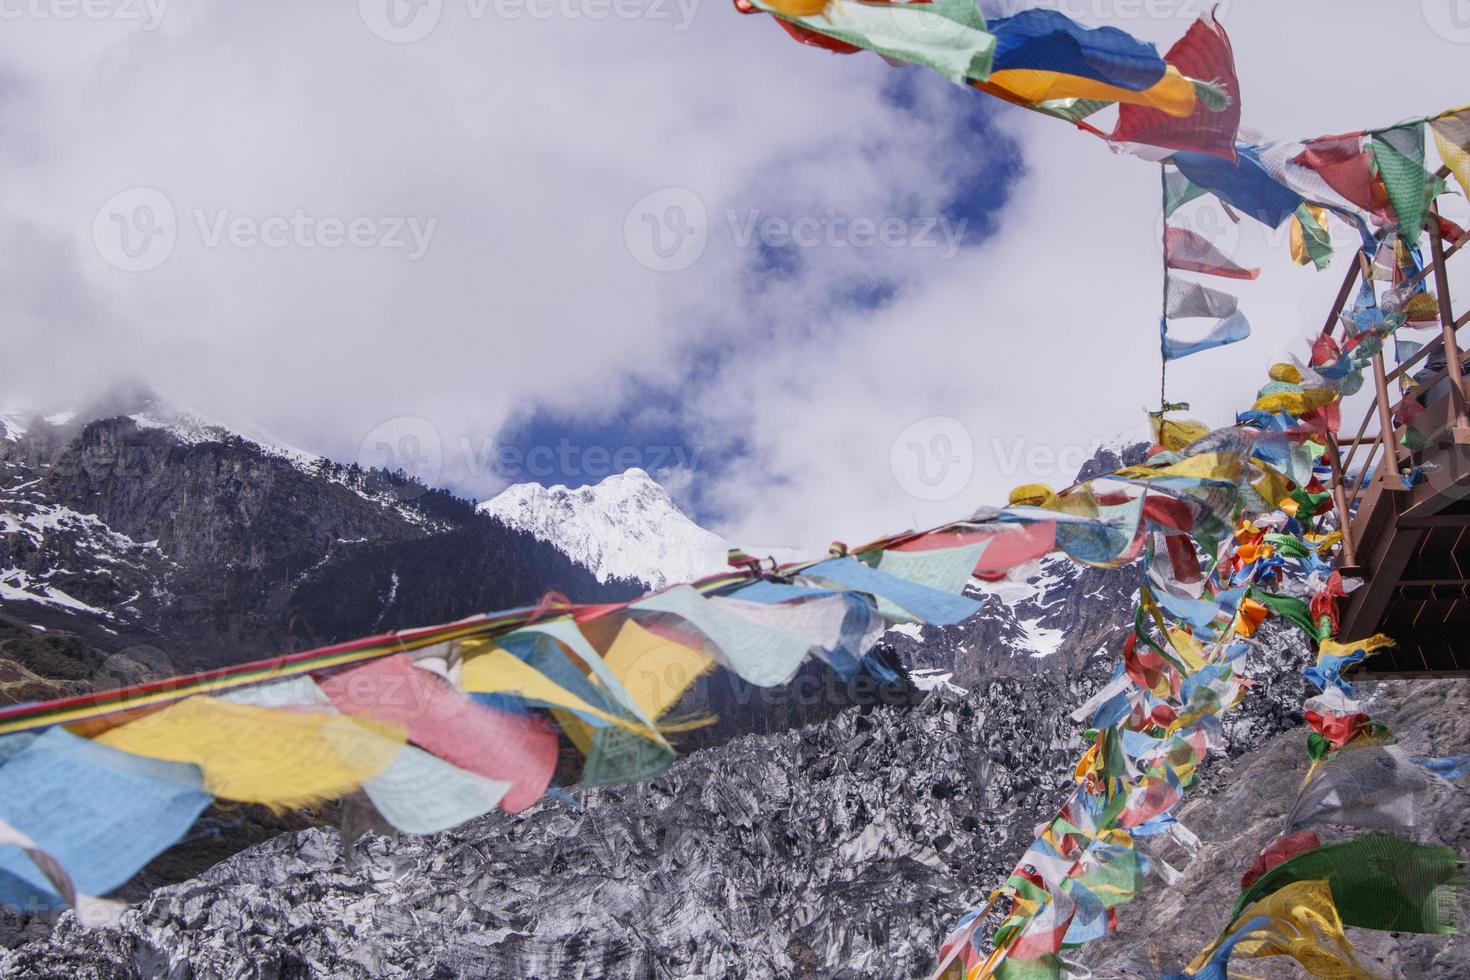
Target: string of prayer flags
[[1250, 496], [1037, 58]]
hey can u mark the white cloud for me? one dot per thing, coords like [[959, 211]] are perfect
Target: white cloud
[[528, 140]]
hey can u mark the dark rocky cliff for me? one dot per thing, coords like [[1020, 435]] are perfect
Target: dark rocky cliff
[[214, 550]]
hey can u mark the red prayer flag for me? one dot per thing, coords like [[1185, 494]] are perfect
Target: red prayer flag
[[1010, 545], [1203, 53], [1189, 252], [1283, 849], [1346, 164], [517, 749]]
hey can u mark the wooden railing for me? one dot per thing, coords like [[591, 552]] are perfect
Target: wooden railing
[[1383, 453]]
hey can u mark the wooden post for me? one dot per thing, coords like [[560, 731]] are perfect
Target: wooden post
[[1341, 502], [1386, 433], [1388, 436], [1341, 301], [1461, 417]]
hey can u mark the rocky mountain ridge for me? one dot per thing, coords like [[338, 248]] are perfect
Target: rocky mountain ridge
[[154, 529]]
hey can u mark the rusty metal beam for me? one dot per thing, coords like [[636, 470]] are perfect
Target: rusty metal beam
[[1340, 502], [1438, 520], [1447, 322], [1342, 296]]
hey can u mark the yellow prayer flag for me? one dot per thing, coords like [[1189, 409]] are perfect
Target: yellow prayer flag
[[280, 757], [1302, 923], [1173, 94], [1452, 136], [499, 671], [655, 671], [1188, 648], [1296, 403], [1177, 435]]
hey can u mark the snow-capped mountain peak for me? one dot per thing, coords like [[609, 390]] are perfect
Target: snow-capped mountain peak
[[625, 527]]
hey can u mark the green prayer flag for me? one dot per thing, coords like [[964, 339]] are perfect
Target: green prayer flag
[[1117, 881], [1179, 190], [1378, 882], [1073, 110], [1399, 154], [619, 756], [1288, 545], [1315, 237], [947, 35], [1287, 607], [1048, 967]]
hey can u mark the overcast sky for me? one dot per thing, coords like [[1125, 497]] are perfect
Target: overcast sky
[[546, 239]]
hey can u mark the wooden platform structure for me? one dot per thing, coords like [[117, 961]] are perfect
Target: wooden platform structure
[[1410, 545]]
